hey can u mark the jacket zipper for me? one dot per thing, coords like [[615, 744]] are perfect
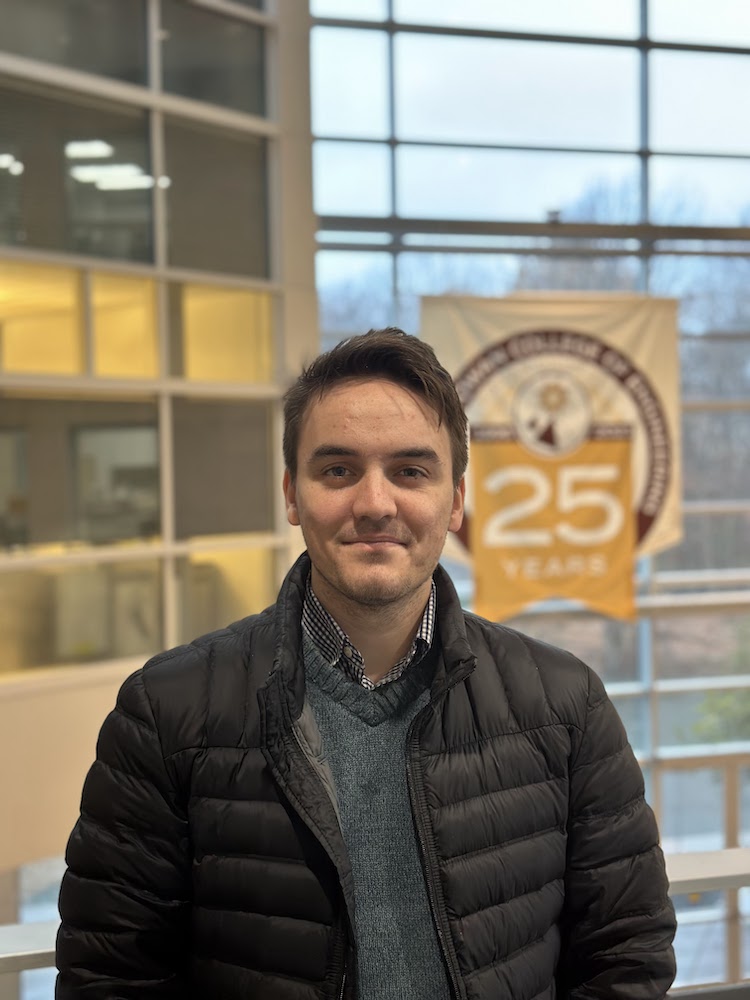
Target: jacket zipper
[[428, 855], [304, 754]]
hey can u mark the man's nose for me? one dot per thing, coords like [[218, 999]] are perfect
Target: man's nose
[[374, 497]]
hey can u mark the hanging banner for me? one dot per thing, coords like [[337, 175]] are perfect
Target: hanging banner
[[574, 470]]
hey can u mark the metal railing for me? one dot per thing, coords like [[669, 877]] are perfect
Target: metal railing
[[32, 946]]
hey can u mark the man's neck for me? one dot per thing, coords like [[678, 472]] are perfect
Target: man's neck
[[383, 634]]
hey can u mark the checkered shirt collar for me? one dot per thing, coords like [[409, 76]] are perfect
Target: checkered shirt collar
[[334, 644]]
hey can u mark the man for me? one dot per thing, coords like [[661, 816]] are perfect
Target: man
[[365, 791]]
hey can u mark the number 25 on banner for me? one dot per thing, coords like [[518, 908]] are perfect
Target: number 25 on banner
[[552, 528], [599, 504]]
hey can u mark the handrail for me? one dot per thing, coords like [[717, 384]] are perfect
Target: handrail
[[27, 946], [32, 946]]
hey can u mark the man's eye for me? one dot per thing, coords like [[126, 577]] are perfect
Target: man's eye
[[412, 473], [337, 471]]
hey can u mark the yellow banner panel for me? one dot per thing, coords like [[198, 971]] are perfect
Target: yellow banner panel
[[546, 528]]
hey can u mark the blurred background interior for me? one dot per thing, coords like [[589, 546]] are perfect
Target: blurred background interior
[[195, 197]]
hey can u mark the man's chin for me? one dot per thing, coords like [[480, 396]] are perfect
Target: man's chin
[[374, 590]]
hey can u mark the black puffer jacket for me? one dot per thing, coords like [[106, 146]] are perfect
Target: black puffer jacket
[[208, 861]]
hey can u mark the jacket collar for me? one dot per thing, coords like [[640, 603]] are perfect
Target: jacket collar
[[455, 660]]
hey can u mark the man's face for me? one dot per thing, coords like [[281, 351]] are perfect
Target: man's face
[[374, 493]]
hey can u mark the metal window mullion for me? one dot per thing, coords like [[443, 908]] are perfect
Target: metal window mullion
[[392, 149], [240, 13], [644, 147], [278, 465], [732, 839], [85, 287], [133, 95], [153, 44], [166, 484], [142, 551], [159, 190], [136, 270]]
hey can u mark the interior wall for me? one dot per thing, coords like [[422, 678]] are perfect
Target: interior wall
[[49, 722]]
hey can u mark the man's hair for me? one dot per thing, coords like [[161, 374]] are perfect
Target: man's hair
[[388, 354]]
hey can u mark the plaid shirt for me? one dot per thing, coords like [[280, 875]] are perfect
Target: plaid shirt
[[334, 644]]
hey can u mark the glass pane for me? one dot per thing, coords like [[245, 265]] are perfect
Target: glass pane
[[217, 588], [38, 889], [698, 191], [14, 488], [710, 541], [604, 644], [722, 22], [355, 292], [714, 295], [223, 467], [716, 368], [692, 803], [702, 645], [74, 176], [716, 455], [349, 83], [82, 613], [351, 178], [220, 334], [597, 273], [354, 10], [635, 718], [41, 326], [342, 236], [686, 90], [212, 58], [107, 37], [91, 470], [487, 184], [217, 226], [575, 17], [500, 274], [520, 93], [705, 717], [701, 941], [116, 483], [124, 320], [37, 984]]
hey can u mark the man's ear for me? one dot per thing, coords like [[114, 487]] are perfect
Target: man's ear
[[457, 512], [290, 495]]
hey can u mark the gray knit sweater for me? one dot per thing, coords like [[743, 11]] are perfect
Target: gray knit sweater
[[364, 741]]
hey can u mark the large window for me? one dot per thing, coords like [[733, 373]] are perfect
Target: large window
[[105, 37], [75, 175], [540, 146], [139, 369]]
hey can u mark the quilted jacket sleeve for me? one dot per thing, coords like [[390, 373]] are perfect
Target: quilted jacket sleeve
[[123, 900], [619, 922]]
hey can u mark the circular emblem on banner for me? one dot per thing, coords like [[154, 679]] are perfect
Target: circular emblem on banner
[[553, 389], [551, 413]]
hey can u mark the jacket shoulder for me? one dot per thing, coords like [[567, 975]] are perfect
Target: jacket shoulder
[[203, 693], [535, 674]]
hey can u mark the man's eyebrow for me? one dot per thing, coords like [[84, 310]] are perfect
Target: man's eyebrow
[[330, 451], [425, 454], [336, 451]]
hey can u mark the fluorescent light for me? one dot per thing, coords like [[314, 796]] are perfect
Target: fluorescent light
[[16, 168], [91, 173], [88, 149], [164, 181], [125, 183], [6, 160]]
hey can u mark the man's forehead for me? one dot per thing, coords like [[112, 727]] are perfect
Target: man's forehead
[[353, 395]]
